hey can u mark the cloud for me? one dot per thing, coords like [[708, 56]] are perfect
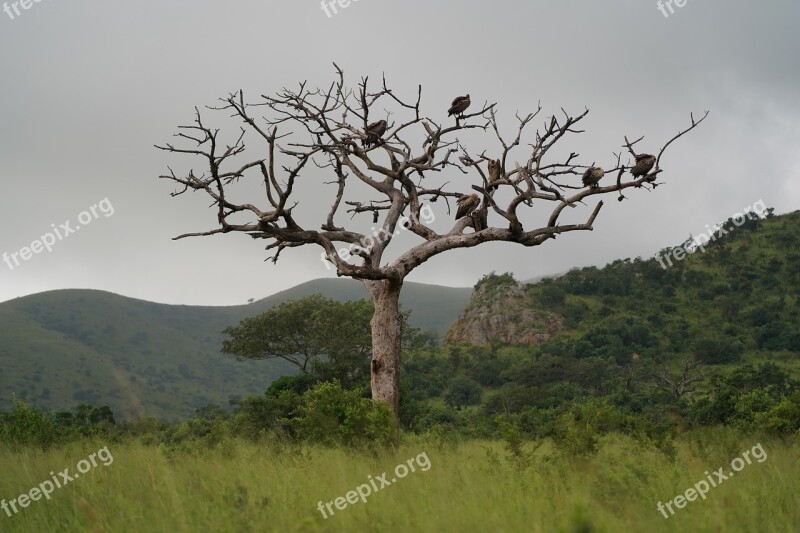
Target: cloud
[[89, 88]]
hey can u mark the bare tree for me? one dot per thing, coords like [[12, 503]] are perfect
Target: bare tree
[[678, 385], [309, 132]]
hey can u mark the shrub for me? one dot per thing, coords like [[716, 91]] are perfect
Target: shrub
[[25, 426], [331, 415], [257, 415], [461, 392], [782, 418]]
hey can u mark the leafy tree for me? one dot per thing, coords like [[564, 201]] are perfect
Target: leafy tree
[[462, 391], [731, 395], [321, 336], [297, 384], [783, 418], [551, 294]]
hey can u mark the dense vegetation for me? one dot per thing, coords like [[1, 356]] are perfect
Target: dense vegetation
[[646, 351], [684, 365]]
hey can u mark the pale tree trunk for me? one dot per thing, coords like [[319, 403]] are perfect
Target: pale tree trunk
[[386, 329]]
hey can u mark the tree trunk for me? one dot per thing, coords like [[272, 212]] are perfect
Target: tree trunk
[[386, 328]]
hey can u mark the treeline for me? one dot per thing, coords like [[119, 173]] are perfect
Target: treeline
[[452, 393], [647, 351]]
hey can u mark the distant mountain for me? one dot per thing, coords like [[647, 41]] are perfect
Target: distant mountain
[[537, 279], [60, 348]]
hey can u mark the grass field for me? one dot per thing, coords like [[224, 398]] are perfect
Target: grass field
[[471, 486]]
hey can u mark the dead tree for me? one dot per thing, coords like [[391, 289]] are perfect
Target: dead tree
[[305, 134], [678, 385]]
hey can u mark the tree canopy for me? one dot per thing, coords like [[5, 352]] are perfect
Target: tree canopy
[[317, 334]]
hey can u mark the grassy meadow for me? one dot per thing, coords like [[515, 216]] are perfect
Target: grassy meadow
[[474, 485]]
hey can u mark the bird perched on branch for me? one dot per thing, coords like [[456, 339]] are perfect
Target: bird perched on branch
[[459, 105], [466, 160], [644, 164], [467, 204], [495, 170], [592, 176], [374, 133]]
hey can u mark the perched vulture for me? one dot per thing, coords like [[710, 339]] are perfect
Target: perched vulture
[[592, 176], [495, 170], [374, 132], [644, 164], [459, 105], [467, 204]]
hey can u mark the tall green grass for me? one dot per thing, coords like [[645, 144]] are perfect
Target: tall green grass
[[471, 486]]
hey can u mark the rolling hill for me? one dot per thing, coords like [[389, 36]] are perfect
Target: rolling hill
[[63, 347]]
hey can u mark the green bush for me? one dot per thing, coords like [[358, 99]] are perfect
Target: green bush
[[749, 405], [331, 415], [462, 391], [26, 426], [273, 412], [577, 431], [783, 418]]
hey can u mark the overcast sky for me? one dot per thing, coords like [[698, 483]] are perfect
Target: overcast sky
[[89, 87]]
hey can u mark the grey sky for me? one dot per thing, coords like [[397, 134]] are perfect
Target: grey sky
[[89, 87]]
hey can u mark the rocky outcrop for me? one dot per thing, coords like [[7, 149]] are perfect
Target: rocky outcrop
[[504, 312]]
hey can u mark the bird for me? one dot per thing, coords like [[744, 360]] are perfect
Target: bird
[[644, 163], [374, 132], [592, 176], [467, 204], [495, 170], [459, 105]]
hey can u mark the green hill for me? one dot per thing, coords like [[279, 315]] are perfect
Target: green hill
[[629, 331], [632, 346], [736, 302], [63, 347]]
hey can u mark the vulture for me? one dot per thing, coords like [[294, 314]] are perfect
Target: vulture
[[467, 204], [374, 132], [592, 176], [459, 105], [644, 164], [495, 170]]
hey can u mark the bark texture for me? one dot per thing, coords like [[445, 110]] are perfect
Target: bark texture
[[386, 330]]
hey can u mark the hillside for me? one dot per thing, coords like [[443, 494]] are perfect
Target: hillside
[[501, 310], [735, 302], [63, 347]]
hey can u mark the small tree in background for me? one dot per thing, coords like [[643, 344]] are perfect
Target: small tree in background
[[319, 335], [462, 391]]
